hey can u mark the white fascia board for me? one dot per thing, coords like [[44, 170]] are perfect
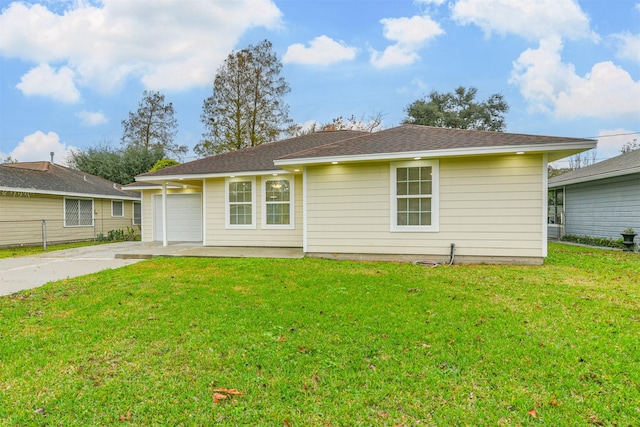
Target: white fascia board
[[476, 151], [67, 194], [174, 178], [595, 177]]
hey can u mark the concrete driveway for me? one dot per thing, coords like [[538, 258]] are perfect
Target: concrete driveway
[[21, 273], [18, 274]]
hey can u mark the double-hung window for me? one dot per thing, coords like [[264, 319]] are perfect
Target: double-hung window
[[278, 203], [240, 203], [78, 212], [414, 196]]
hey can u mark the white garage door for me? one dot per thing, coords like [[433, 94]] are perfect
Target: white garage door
[[184, 217]]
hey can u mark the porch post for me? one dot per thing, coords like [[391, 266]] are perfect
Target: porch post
[[165, 241]]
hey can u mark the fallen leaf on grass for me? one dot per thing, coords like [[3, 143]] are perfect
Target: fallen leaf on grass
[[281, 338], [554, 402], [533, 412], [126, 417], [225, 393]]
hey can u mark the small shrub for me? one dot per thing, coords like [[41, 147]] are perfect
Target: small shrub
[[130, 235], [594, 241]]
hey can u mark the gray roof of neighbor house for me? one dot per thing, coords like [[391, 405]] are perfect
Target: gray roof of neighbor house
[[49, 178], [417, 138], [624, 164], [259, 158]]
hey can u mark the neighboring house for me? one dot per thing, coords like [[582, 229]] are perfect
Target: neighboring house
[[599, 200], [74, 205], [406, 193]]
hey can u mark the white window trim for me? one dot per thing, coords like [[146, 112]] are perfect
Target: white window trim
[[133, 213], [122, 203], [64, 212], [291, 224], [227, 207], [435, 197]]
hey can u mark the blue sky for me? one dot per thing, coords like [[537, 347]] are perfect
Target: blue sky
[[72, 70]]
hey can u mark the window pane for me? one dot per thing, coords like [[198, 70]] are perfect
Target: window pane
[[401, 174], [137, 213], [414, 219], [425, 187], [278, 214], [240, 191], [117, 208], [402, 189], [425, 218], [414, 174], [71, 211], [277, 191], [414, 187], [239, 214], [86, 212], [414, 205]]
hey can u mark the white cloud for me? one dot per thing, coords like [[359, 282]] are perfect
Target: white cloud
[[436, 2], [531, 19], [322, 50], [45, 81], [550, 85], [409, 35], [92, 118], [611, 141], [38, 146], [629, 46], [166, 44]]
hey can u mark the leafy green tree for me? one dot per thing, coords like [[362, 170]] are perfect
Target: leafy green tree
[[152, 125], [247, 106], [459, 110], [117, 165], [164, 163]]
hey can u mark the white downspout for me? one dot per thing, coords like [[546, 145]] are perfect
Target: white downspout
[[165, 241], [545, 204], [204, 212], [304, 209]]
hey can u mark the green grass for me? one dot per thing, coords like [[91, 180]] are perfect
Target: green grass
[[18, 251], [328, 343]]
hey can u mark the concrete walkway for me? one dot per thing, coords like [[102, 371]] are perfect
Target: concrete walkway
[[28, 272]]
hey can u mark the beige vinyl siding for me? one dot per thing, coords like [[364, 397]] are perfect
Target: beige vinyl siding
[[21, 219], [489, 206], [218, 235]]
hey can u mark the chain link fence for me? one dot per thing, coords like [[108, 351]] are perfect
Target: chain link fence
[[43, 232]]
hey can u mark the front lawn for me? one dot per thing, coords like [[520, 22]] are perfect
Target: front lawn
[[312, 342]]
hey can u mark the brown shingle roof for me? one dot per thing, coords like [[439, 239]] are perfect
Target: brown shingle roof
[[416, 138], [258, 158], [48, 177]]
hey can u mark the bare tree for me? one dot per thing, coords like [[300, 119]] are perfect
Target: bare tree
[[630, 146], [247, 106], [581, 160], [153, 125]]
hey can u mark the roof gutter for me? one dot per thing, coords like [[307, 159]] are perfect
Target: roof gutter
[[68, 194], [174, 178], [595, 177], [456, 152]]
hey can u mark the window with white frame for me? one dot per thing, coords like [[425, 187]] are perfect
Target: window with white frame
[[240, 203], [278, 203], [78, 212], [117, 208], [414, 194], [137, 213]]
